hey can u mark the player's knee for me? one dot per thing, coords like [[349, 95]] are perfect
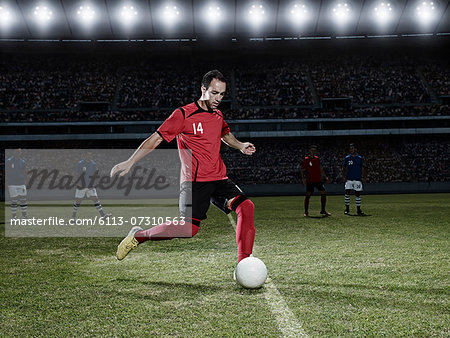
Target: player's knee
[[238, 201], [248, 206]]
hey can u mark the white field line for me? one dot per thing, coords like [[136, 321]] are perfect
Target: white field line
[[288, 324]]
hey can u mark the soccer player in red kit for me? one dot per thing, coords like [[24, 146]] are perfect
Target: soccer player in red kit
[[200, 127], [312, 173]]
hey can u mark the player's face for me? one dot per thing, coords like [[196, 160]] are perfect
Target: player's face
[[352, 150], [312, 151], [214, 94]]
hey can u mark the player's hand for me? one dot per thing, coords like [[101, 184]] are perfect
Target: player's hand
[[303, 181], [121, 169], [248, 148], [327, 179]]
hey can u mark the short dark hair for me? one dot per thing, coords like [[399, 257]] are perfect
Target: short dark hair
[[212, 74], [312, 146], [352, 145]]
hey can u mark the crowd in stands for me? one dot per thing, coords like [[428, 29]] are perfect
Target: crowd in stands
[[266, 87], [277, 161], [229, 114], [150, 86], [37, 83], [395, 161], [369, 80], [425, 160], [438, 76], [275, 83]]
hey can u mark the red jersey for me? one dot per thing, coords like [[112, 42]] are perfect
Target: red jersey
[[312, 167], [200, 131]]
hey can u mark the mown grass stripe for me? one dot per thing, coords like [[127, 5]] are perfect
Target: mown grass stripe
[[288, 324]]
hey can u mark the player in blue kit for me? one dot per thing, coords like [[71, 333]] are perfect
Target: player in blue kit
[[85, 170], [354, 174], [15, 179]]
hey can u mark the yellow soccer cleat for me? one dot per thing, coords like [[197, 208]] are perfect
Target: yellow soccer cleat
[[127, 244]]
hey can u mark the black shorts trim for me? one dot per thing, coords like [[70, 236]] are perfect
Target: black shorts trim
[[199, 196], [314, 185]]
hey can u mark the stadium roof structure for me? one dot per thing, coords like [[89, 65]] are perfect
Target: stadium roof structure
[[202, 19]]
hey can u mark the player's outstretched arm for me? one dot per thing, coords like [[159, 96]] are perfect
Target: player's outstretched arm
[[246, 148], [144, 149]]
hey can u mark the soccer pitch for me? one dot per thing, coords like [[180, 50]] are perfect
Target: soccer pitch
[[386, 274]]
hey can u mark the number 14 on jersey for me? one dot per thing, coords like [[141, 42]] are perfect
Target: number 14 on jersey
[[197, 129]]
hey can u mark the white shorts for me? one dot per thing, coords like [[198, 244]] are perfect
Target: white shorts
[[354, 185], [17, 190], [86, 192]]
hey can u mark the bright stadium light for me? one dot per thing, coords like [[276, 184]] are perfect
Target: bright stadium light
[[257, 14], [383, 12], [171, 14], [6, 17], [86, 14], [426, 11], [341, 12], [213, 14], [43, 14], [298, 13], [128, 15]]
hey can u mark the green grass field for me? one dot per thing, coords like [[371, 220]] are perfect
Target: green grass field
[[382, 275]]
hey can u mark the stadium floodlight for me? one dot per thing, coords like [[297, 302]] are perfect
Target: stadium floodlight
[[213, 14], [86, 14], [426, 11], [341, 12], [256, 14], [383, 12], [170, 14], [298, 13], [43, 14], [128, 14], [6, 16]]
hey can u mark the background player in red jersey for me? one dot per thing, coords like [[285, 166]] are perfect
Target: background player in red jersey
[[312, 173], [200, 127]]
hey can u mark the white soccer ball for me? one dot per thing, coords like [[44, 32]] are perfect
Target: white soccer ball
[[251, 273]]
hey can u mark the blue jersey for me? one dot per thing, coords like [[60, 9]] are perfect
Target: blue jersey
[[15, 171], [354, 165], [86, 169]]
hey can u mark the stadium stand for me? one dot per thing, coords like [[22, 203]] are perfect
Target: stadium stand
[[50, 88], [396, 160], [45, 88]]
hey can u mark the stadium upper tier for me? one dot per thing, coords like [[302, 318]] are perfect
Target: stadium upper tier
[[137, 87]]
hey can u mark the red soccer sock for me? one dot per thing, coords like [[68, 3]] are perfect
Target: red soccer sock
[[245, 230], [168, 231]]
